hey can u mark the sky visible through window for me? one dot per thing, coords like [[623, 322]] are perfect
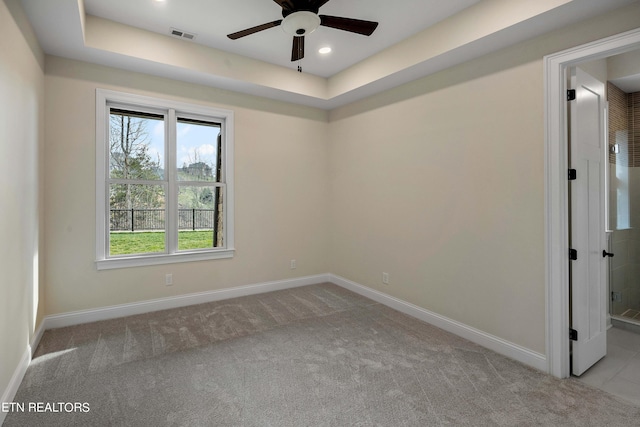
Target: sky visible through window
[[195, 143]]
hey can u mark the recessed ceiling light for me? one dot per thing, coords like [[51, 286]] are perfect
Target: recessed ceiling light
[[324, 50]]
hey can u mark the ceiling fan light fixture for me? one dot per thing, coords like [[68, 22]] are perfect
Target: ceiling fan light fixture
[[300, 17], [300, 23]]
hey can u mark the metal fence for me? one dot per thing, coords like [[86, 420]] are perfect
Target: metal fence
[[154, 219]]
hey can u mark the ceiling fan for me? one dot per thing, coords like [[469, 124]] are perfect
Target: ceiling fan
[[301, 18]]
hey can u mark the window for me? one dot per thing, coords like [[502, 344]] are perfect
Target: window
[[164, 181]]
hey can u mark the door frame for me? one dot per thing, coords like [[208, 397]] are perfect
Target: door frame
[[557, 188]]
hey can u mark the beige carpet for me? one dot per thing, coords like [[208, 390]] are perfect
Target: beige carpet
[[312, 356]]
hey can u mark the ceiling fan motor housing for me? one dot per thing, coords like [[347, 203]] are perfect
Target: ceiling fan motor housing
[[300, 23], [300, 17]]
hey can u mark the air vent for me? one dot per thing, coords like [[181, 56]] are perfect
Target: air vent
[[182, 34]]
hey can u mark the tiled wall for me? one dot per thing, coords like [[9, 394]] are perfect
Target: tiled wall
[[624, 125], [618, 124], [624, 200], [633, 114]]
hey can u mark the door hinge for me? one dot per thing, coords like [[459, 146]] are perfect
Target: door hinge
[[573, 254], [573, 335], [571, 94], [573, 174]]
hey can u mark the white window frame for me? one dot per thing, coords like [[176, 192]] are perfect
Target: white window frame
[[171, 109]]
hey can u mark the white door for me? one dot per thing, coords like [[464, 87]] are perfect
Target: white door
[[588, 272]]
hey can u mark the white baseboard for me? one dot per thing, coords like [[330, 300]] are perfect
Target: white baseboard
[[514, 351], [104, 313], [16, 380], [499, 345], [122, 310], [21, 369]]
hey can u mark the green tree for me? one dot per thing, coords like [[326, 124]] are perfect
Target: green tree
[[130, 159]]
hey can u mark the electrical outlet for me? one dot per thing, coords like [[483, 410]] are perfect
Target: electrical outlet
[[385, 278], [168, 279], [293, 264]]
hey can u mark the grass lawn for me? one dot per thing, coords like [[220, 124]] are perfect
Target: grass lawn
[[148, 242]]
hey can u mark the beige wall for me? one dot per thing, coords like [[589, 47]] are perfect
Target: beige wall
[[280, 182], [444, 191], [21, 124], [440, 183]]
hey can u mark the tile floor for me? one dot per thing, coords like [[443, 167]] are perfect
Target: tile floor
[[632, 314], [619, 371]]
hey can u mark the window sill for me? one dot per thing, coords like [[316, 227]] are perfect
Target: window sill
[[159, 259]]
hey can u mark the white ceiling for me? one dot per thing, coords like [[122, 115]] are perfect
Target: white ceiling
[[211, 21], [628, 84], [414, 38]]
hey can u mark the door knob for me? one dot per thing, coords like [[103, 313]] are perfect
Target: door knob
[[605, 253]]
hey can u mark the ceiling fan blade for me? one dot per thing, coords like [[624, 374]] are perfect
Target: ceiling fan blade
[[286, 4], [297, 52], [358, 26], [252, 30]]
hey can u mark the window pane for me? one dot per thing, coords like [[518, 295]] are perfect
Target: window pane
[[200, 217], [136, 145], [198, 151], [136, 219]]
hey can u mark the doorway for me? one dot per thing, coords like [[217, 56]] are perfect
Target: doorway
[[557, 188], [624, 198], [617, 372]]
